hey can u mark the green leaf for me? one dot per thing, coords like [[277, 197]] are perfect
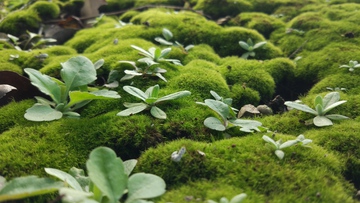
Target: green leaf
[[250, 42], [155, 91], [245, 55], [330, 98], [244, 45], [167, 34], [321, 121], [319, 110], [301, 107], [214, 123], [136, 92], [144, 186], [142, 51], [331, 106], [260, 44], [77, 71], [247, 125], [80, 177], [219, 107], [269, 140], [175, 95], [318, 101], [224, 200], [157, 54], [70, 180], [163, 41], [129, 166], [106, 171], [28, 186], [215, 95], [157, 112], [288, 143], [45, 84], [134, 109], [164, 52], [336, 117], [98, 64], [39, 112], [77, 96], [238, 198], [70, 195], [279, 153]]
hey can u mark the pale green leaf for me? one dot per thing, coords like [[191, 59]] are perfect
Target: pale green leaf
[[331, 106], [330, 98], [260, 44], [77, 96], [39, 112], [164, 52], [65, 177], [167, 34], [336, 117], [70, 195], [129, 166], [106, 171], [163, 41], [279, 153], [175, 95], [321, 121], [288, 143], [244, 45], [157, 112], [219, 107], [269, 140], [133, 110], [238, 198], [136, 92], [142, 51], [99, 63], [144, 186], [301, 107], [214, 123]]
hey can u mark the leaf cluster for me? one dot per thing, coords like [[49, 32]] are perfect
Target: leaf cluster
[[168, 35], [351, 66], [28, 41], [74, 93], [129, 74], [250, 47], [236, 199], [150, 99], [322, 107], [227, 116], [155, 55]]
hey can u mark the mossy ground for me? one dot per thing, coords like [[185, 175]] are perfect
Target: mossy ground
[[325, 35]]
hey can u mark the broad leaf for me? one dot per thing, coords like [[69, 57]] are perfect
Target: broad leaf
[[167, 34], [70, 195], [219, 107], [98, 64], [330, 98], [142, 51], [318, 101], [106, 171], [144, 186], [45, 84], [80, 177], [161, 77], [269, 140], [301, 107], [321, 121], [136, 92], [77, 71], [260, 44], [238, 198], [175, 95], [70, 180], [244, 45], [163, 41], [133, 110], [319, 109], [336, 117], [333, 105], [155, 91], [279, 153], [129, 166], [132, 72], [39, 112], [288, 143], [224, 200], [77, 96], [164, 52], [245, 55], [215, 95], [157, 112], [157, 54], [28, 186], [214, 123]]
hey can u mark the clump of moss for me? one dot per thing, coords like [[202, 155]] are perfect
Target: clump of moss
[[309, 20], [128, 15], [217, 8], [113, 5], [340, 80], [249, 73], [18, 22], [243, 95], [46, 10], [246, 163], [261, 22], [10, 67], [12, 115], [161, 2], [204, 52]]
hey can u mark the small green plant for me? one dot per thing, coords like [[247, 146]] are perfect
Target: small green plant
[[129, 74], [156, 55], [168, 35], [107, 182], [336, 89], [228, 116], [236, 199], [121, 24], [322, 107], [67, 96], [279, 145], [30, 41], [250, 47], [352, 65], [151, 99]]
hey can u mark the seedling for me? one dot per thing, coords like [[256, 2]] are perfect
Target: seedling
[[250, 47], [322, 107], [107, 182], [236, 199], [167, 34], [121, 24], [31, 41], [66, 96], [352, 65], [143, 72], [336, 89], [228, 116], [279, 145], [151, 99], [156, 55]]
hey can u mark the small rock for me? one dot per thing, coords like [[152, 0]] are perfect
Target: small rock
[[264, 110], [248, 110]]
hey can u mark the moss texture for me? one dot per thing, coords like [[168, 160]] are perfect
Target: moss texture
[[17, 23], [46, 10]]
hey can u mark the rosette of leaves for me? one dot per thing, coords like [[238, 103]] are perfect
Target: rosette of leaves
[[150, 100], [67, 96], [352, 65], [156, 55], [227, 116], [168, 35], [108, 181], [236, 199], [279, 145], [322, 107], [250, 47], [129, 74]]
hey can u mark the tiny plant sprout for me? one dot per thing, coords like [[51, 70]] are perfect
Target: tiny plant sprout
[[236, 199], [176, 156], [156, 55], [322, 107], [352, 65], [167, 36], [250, 47]]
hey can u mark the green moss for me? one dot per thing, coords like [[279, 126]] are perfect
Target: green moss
[[46, 10], [12, 115], [18, 22], [10, 67], [199, 81], [309, 20], [114, 5], [341, 80], [204, 52], [160, 2], [247, 163], [261, 22], [218, 8], [242, 95], [126, 17], [73, 7], [83, 39], [250, 74]]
